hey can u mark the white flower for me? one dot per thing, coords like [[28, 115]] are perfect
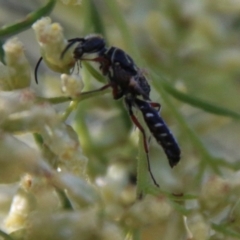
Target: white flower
[[72, 85], [52, 43], [17, 65]]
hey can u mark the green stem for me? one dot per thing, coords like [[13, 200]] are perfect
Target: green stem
[[5, 235], [66, 203], [54, 100], [225, 230], [198, 103], [38, 139], [136, 234], [83, 96], [69, 110], [205, 155], [142, 172], [92, 18], [22, 25], [122, 25]]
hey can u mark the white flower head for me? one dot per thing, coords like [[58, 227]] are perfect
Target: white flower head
[[52, 43], [72, 85], [17, 64]]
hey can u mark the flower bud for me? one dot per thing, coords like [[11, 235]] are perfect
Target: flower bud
[[34, 119], [197, 227], [17, 158], [16, 101], [111, 231], [214, 194], [113, 184], [44, 193], [84, 225], [52, 43], [23, 203], [4, 78], [63, 141], [18, 66], [150, 210], [72, 85], [80, 191]]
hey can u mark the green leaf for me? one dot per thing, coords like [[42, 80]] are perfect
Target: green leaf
[[123, 26], [226, 231], [95, 73], [196, 102], [95, 18]]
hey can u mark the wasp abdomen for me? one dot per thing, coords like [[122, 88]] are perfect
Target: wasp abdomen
[[160, 131]]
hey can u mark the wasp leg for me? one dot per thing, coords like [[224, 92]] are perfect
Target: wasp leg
[[116, 91], [139, 126], [156, 105], [160, 131], [97, 90]]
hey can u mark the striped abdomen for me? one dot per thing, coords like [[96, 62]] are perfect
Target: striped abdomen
[[160, 131]]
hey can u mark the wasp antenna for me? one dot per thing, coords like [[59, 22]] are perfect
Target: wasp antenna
[[66, 49], [76, 40], [71, 42], [36, 69]]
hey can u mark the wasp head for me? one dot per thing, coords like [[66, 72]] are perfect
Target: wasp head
[[87, 47], [90, 45]]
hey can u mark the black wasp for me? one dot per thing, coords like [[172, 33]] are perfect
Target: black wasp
[[129, 82]]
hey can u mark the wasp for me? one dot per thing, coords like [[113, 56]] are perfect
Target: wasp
[[128, 82]]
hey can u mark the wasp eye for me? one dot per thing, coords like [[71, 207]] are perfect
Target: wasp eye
[[78, 52]]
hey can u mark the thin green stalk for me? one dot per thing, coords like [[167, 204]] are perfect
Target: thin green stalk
[[98, 76], [5, 236], [93, 19], [66, 203], [225, 230], [2, 53], [90, 149], [122, 25], [83, 96], [136, 234], [9, 30], [142, 169], [72, 106], [54, 100], [201, 104], [205, 155], [38, 139], [87, 142]]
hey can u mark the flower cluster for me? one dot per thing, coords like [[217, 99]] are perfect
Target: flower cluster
[[64, 189]]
